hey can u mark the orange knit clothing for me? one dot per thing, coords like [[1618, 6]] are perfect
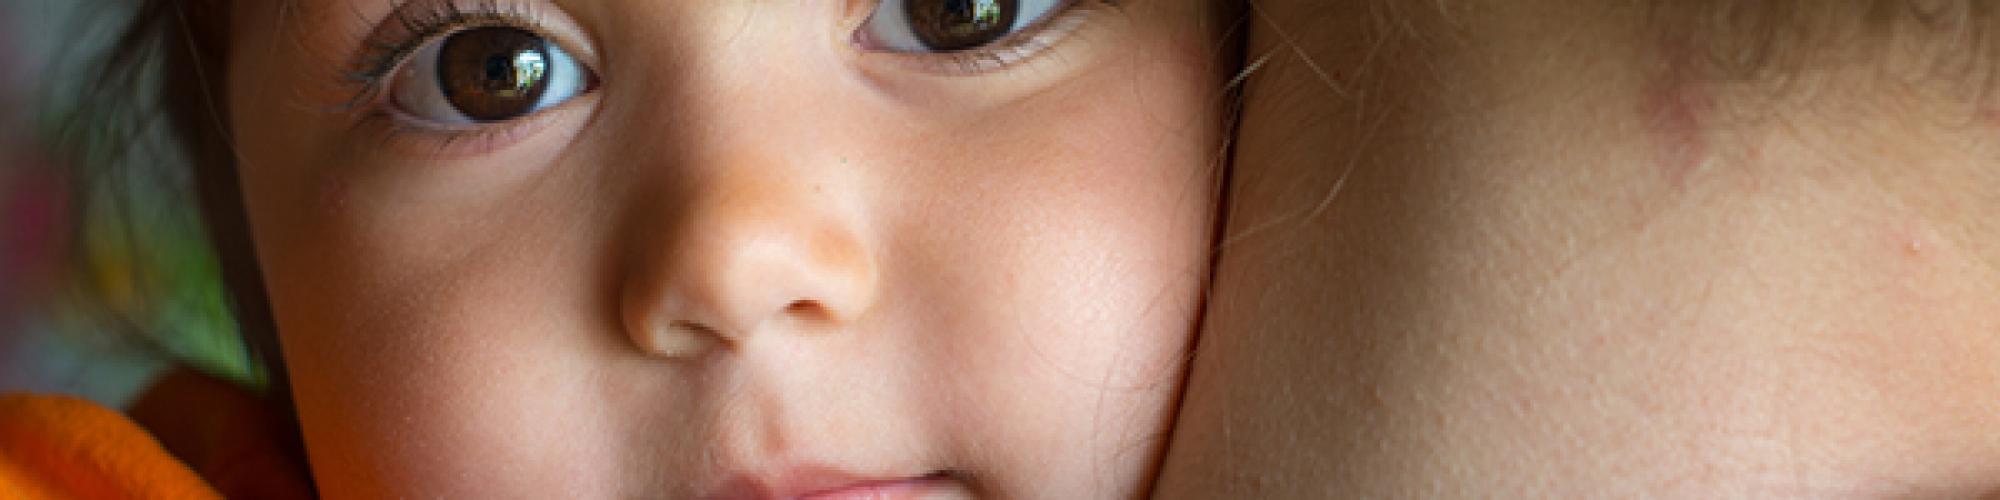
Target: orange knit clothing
[[188, 436], [65, 447]]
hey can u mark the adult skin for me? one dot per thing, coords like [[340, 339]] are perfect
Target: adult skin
[[1577, 249]]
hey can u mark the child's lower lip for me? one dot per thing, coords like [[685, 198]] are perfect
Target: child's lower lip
[[915, 487]]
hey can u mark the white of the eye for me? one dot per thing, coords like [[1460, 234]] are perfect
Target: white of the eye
[[890, 26], [565, 79], [417, 91]]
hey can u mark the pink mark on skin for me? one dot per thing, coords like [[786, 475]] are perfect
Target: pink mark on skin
[[1990, 117], [1911, 240], [332, 196], [1918, 262], [1673, 108]]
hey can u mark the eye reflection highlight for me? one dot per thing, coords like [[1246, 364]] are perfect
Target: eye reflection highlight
[[529, 67]]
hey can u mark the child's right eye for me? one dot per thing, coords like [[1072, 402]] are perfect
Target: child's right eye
[[953, 26], [487, 74]]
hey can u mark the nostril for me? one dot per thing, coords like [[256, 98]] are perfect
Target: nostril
[[692, 327], [681, 339], [809, 309]]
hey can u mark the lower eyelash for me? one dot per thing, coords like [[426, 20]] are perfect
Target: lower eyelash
[[398, 132], [1011, 53], [1012, 50]]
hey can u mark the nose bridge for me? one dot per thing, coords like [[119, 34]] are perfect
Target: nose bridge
[[752, 241], [752, 219]]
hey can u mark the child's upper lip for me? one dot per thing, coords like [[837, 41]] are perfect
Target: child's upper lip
[[808, 481]]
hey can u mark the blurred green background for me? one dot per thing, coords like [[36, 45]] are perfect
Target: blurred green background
[[105, 275]]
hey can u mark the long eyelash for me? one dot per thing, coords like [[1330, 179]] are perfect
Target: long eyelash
[[417, 22], [1026, 43]]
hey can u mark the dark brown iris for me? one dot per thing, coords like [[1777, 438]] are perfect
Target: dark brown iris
[[493, 74], [948, 25]]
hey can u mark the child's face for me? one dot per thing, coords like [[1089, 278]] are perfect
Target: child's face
[[744, 254]]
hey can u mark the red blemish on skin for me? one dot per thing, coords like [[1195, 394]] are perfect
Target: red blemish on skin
[[1911, 247], [1673, 108], [333, 196], [1753, 154], [1910, 240]]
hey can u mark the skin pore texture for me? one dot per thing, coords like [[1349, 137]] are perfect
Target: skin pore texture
[[754, 261], [1581, 249]]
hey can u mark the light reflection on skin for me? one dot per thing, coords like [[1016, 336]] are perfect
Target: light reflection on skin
[[889, 273]]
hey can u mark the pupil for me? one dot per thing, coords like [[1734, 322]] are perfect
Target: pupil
[[493, 74], [496, 68], [951, 25]]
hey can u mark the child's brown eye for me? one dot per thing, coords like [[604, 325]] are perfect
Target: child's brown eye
[[494, 74], [947, 25], [487, 74], [951, 25]]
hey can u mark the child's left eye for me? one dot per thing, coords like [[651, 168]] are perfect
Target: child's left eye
[[929, 26], [487, 74]]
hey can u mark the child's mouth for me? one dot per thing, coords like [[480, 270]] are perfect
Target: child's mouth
[[913, 487], [814, 483]]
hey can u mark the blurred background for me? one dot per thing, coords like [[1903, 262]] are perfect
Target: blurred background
[[106, 277]]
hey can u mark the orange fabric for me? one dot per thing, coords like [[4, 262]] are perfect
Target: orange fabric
[[64, 447]]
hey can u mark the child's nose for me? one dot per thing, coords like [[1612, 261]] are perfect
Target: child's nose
[[746, 252]]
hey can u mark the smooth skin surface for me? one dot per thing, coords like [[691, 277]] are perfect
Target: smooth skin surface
[[1544, 249], [753, 259]]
